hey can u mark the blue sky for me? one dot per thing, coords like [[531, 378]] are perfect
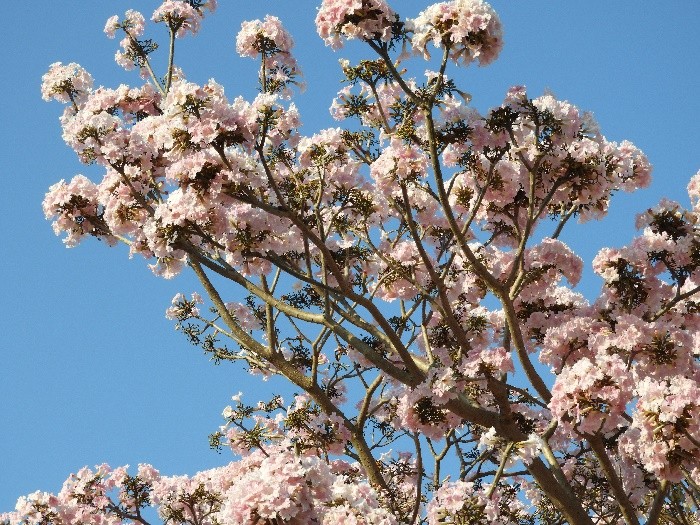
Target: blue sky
[[91, 370]]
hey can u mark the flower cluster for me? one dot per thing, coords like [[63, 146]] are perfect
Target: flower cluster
[[280, 486], [665, 433], [180, 16], [266, 37], [468, 30], [77, 210], [362, 19], [134, 24], [269, 39], [592, 397], [66, 83], [461, 502]]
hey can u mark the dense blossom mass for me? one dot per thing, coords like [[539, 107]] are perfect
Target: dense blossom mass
[[349, 19], [467, 30], [405, 271]]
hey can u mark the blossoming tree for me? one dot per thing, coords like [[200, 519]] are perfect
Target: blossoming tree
[[400, 272]]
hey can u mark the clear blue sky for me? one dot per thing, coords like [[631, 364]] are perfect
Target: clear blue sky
[[91, 370]]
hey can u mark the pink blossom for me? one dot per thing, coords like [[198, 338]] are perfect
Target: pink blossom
[[270, 40], [180, 16], [458, 501], [76, 210], [111, 26], [400, 164], [363, 19], [694, 190], [480, 361], [665, 429], [416, 410], [66, 83], [553, 252], [471, 27], [590, 397], [268, 36], [133, 24]]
